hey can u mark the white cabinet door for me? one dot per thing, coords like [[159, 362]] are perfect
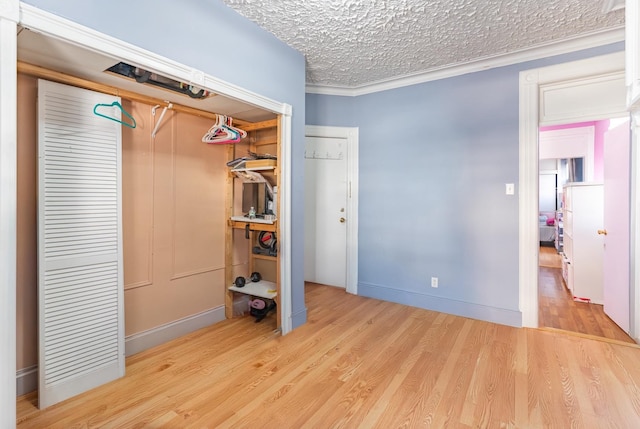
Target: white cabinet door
[[80, 284]]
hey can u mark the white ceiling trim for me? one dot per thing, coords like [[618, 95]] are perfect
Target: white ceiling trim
[[591, 40], [611, 5]]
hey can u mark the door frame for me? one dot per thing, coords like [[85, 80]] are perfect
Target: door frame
[[14, 12], [634, 227], [60, 28], [9, 17], [69, 31], [351, 135], [532, 84]]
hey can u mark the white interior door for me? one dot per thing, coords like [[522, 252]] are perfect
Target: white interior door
[[326, 212], [617, 154], [80, 282]]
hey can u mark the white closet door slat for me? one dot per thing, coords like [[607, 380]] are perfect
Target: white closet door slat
[[80, 285]]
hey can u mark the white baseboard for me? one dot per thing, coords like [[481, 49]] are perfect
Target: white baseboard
[[144, 340], [443, 305], [27, 378]]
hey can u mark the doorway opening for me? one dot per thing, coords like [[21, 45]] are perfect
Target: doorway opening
[[74, 43], [550, 96], [580, 289], [331, 206]]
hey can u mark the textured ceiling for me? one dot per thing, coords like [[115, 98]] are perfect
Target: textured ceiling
[[351, 43]]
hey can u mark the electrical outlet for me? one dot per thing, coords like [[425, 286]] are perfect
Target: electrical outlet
[[434, 282]]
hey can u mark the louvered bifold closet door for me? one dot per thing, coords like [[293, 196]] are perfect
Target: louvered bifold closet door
[[80, 285]]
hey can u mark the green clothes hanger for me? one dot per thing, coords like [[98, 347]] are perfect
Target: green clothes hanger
[[119, 106]]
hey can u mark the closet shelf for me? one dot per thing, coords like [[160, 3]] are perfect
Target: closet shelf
[[265, 142], [265, 257], [269, 168], [253, 220], [263, 289], [253, 226]]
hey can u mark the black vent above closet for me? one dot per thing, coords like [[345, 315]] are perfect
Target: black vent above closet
[[145, 76]]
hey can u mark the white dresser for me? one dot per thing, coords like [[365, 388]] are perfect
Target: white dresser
[[583, 247]]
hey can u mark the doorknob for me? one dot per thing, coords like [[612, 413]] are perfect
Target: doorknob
[[342, 220], [602, 232]]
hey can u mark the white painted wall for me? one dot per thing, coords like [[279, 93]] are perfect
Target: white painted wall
[[570, 143]]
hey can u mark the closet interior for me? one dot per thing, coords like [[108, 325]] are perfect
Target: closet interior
[[200, 178]]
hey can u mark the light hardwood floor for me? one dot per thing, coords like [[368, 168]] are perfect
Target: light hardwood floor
[[363, 363], [558, 310], [548, 257]]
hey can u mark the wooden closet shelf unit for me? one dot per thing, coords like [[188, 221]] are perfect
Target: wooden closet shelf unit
[[264, 140]]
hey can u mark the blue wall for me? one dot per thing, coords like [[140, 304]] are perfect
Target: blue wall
[[434, 160], [208, 35]]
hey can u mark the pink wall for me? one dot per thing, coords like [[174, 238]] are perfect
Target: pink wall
[[600, 127], [598, 156]]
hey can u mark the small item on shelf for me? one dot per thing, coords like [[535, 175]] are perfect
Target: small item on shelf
[[252, 213], [253, 160], [223, 132], [256, 155], [267, 244], [260, 307], [240, 282], [266, 252], [238, 162], [274, 201], [257, 303], [267, 239]]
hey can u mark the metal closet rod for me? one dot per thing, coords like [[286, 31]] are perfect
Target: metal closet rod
[[60, 77]]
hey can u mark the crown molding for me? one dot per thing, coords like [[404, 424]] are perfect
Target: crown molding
[[611, 5], [565, 46]]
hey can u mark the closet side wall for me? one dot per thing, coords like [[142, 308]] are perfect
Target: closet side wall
[[27, 226], [173, 220]]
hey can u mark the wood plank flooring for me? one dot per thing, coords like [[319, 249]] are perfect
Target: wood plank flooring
[[557, 309], [363, 363], [549, 257]]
